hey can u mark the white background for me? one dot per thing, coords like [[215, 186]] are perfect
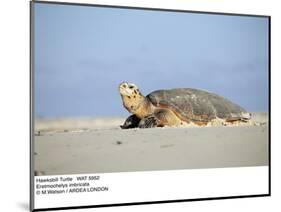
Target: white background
[[14, 98], [162, 185]]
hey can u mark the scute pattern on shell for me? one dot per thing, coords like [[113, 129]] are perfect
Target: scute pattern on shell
[[196, 105]]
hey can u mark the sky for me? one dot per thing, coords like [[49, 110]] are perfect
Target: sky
[[82, 54]]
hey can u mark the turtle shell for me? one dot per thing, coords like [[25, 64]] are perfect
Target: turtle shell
[[197, 105]]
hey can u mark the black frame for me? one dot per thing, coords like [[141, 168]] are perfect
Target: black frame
[[31, 112]]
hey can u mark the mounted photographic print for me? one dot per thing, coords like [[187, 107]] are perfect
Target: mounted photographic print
[[143, 105]]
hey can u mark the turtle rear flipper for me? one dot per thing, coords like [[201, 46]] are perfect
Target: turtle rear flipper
[[243, 118]]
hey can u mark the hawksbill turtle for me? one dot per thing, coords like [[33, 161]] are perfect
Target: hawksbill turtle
[[177, 107]]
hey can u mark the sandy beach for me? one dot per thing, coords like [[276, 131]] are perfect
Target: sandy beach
[[86, 145]]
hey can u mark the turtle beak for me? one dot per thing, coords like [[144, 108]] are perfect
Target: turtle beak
[[123, 89], [123, 84]]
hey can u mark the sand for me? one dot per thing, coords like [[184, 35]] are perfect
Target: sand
[[85, 145]]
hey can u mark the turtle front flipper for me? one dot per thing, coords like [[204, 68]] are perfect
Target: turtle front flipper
[[149, 122], [131, 122], [160, 118]]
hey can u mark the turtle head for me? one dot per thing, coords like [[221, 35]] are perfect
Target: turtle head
[[132, 98], [128, 89]]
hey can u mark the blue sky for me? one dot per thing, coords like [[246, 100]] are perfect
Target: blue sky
[[83, 53]]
